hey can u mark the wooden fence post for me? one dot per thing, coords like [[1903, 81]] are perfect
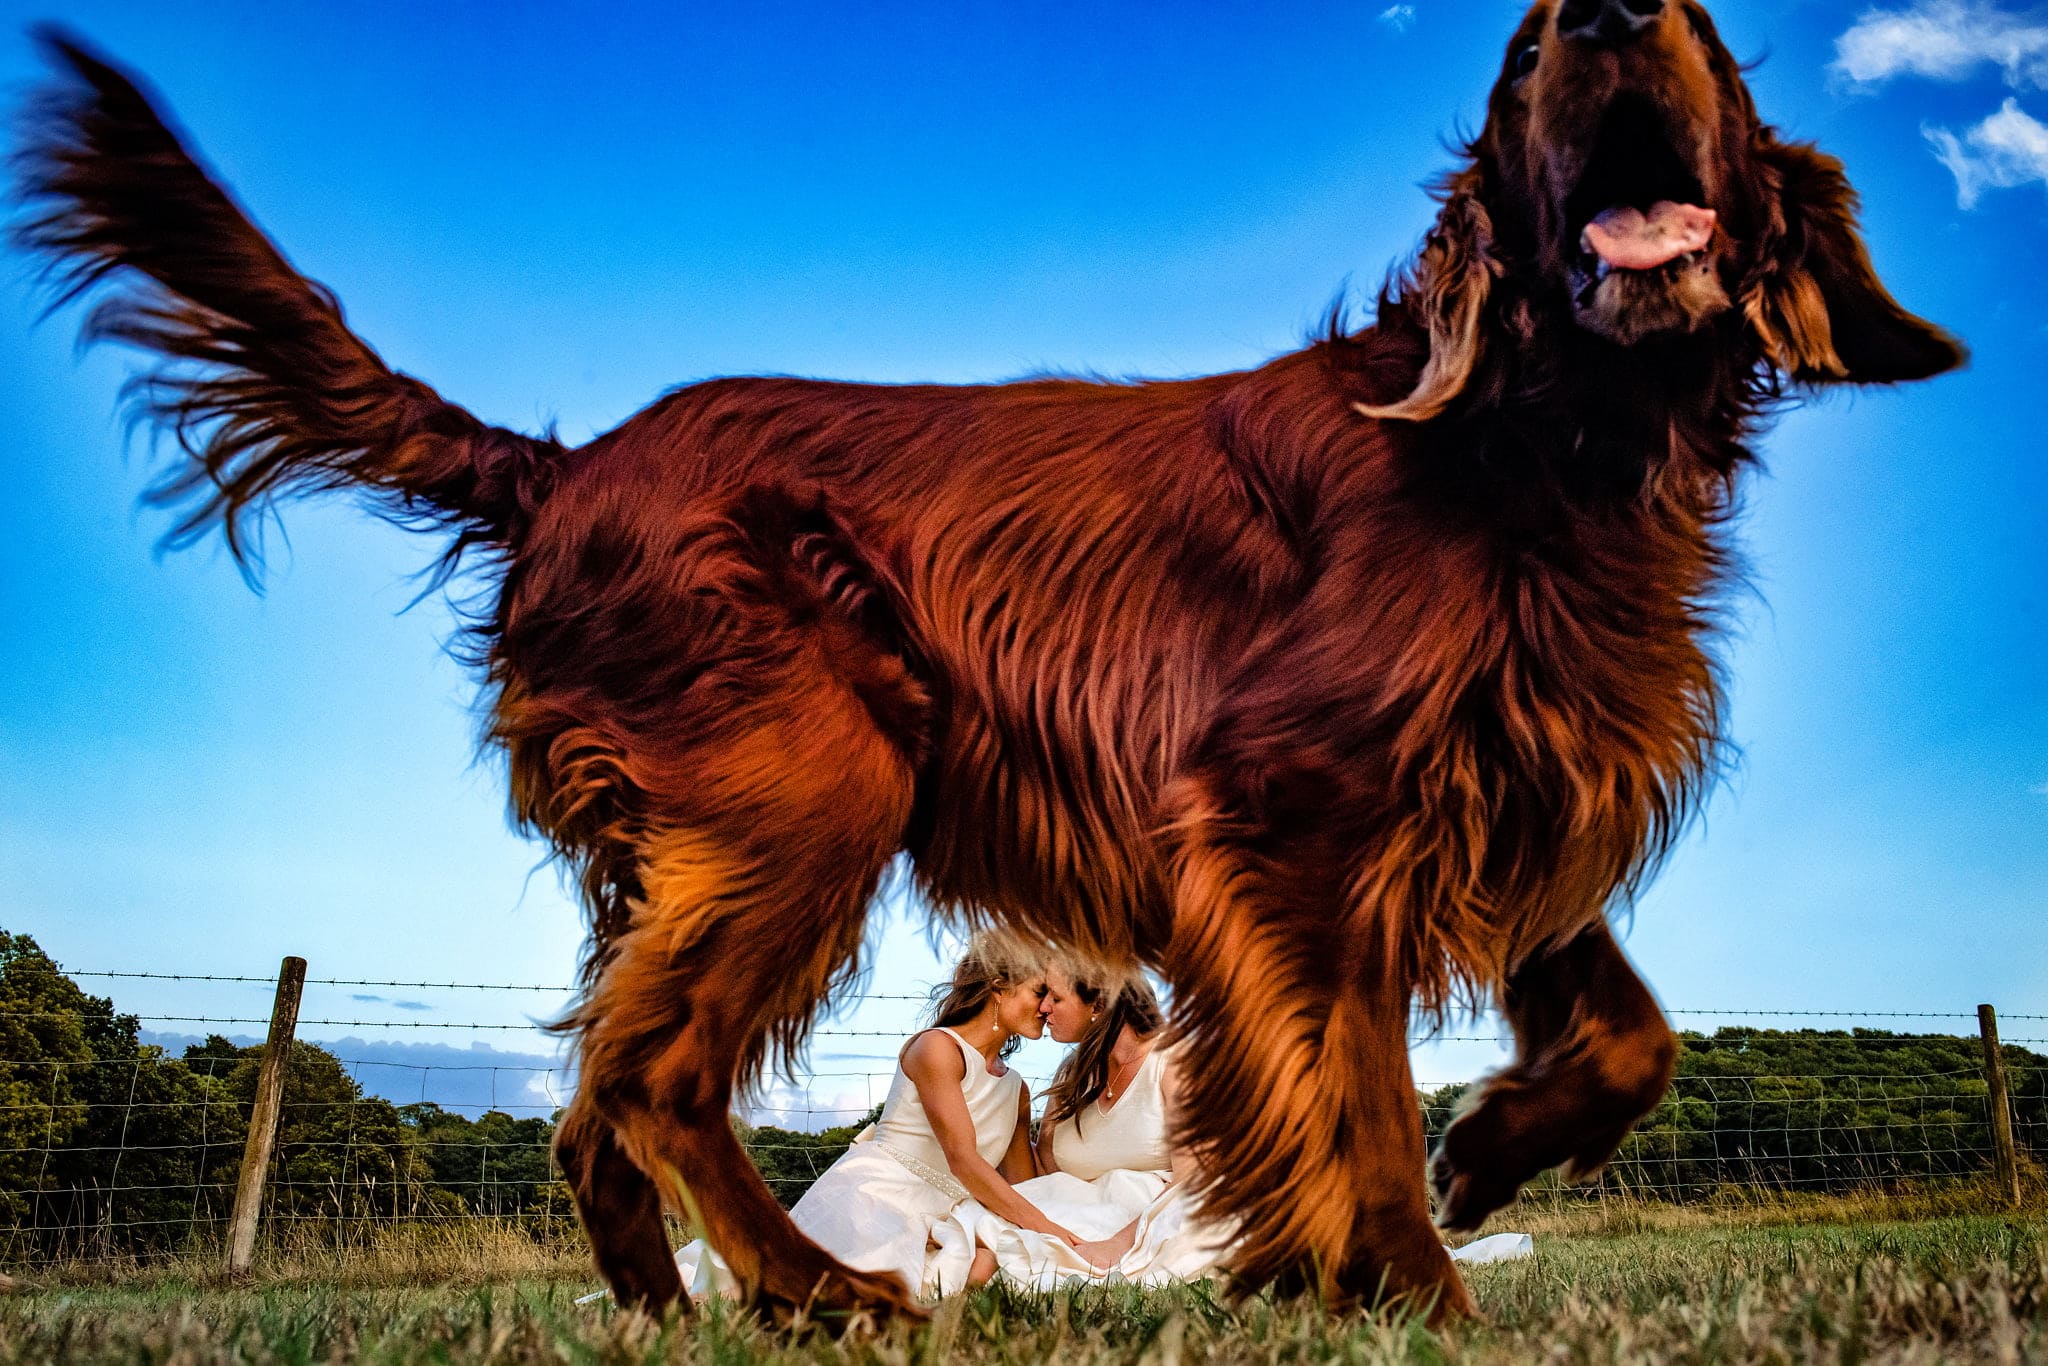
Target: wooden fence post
[[2001, 1106], [263, 1119]]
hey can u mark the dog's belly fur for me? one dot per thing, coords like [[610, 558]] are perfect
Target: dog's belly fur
[[1043, 721]]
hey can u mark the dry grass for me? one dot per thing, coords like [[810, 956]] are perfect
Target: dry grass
[[1566, 1214], [1749, 1286], [451, 1252]]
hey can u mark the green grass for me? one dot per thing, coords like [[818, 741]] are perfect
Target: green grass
[[1741, 1286]]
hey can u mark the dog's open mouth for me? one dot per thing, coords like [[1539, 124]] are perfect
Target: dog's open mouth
[[1626, 238], [1640, 229]]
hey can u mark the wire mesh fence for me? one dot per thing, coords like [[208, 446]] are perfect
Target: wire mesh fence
[[128, 1148], [1828, 1133]]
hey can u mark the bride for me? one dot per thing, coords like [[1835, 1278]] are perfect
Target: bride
[[955, 1127]]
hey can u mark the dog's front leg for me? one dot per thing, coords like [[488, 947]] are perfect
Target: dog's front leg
[[1593, 1054], [1297, 1098], [1394, 1250]]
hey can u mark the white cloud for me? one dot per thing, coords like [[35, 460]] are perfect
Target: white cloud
[[1944, 40], [2039, 789], [2009, 148], [799, 1108], [1399, 18]]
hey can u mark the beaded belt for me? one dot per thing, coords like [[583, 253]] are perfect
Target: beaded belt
[[942, 1181]]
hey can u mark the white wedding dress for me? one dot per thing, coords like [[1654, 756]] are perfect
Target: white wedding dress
[[1115, 1166], [875, 1207]]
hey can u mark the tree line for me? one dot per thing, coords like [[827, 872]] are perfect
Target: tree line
[[111, 1144]]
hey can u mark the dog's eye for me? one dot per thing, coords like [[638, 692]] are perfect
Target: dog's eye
[[1523, 61]]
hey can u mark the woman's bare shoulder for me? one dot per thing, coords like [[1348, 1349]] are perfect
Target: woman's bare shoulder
[[933, 1055]]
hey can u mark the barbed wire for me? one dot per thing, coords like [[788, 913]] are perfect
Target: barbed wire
[[1415, 1040], [925, 997], [530, 1026], [385, 982], [1849, 1014]]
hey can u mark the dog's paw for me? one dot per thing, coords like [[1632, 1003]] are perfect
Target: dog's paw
[[647, 1284], [1423, 1280], [1472, 1175], [1593, 1155], [844, 1301], [1511, 1135], [1481, 1162]]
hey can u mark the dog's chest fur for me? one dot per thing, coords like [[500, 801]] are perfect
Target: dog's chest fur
[[1562, 747]]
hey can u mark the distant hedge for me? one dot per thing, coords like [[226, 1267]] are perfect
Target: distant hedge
[[1814, 1109]]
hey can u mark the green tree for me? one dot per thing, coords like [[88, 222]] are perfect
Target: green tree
[[790, 1159], [1814, 1109], [46, 1057], [341, 1154], [106, 1143], [1825, 1110], [493, 1164]]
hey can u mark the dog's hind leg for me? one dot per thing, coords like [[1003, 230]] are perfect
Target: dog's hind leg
[[1301, 1112], [731, 744], [1593, 1054], [766, 835]]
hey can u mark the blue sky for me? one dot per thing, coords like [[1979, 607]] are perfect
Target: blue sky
[[555, 212]]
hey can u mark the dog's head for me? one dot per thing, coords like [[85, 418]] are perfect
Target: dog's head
[[1623, 186]]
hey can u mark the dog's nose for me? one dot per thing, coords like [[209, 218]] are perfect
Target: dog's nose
[[1607, 21]]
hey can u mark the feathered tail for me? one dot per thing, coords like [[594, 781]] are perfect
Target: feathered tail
[[265, 388]]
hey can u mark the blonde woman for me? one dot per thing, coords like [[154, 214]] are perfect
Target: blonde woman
[[955, 1127]]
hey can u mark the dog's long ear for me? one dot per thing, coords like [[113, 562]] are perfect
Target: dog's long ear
[[1815, 302], [1447, 292]]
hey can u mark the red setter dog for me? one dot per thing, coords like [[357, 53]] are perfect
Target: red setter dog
[[1362, 681]]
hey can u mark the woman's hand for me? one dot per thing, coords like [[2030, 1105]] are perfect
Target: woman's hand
[[1052, 1230]]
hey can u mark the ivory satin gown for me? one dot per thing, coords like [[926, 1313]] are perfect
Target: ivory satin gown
[[875, 1207]]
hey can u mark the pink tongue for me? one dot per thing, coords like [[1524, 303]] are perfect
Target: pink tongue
[[1629, 239]]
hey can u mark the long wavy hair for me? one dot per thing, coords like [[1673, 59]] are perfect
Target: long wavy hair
[[1084, 1075], [991, 966]]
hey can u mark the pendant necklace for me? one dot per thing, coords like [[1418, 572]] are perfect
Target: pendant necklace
[[1109, 1087]]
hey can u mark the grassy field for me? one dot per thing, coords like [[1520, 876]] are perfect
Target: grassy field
[[1822, 1282]]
